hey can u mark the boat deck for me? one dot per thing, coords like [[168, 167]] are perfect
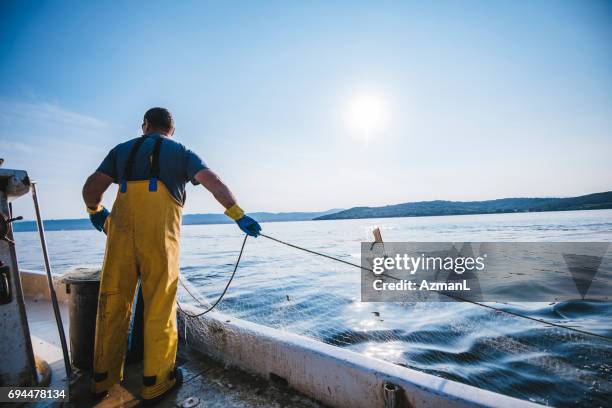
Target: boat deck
[[207, 383]]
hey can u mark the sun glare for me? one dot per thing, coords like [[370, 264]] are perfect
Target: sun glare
[[367, 115]]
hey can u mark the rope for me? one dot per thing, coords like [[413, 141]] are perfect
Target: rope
[[454, 297], [224, 290], [315, 252]]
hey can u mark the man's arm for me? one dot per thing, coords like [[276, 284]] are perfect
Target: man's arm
[[218, 189], [224, 196], [94, 188]]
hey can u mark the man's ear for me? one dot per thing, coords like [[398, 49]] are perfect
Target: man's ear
[[145, 126]]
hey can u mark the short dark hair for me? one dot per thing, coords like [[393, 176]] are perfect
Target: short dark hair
[[159, 119]]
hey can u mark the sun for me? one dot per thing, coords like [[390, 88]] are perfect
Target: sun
[[367, 115]]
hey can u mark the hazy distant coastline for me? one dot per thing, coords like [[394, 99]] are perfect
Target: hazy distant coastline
[[188, 219], [595, 201]]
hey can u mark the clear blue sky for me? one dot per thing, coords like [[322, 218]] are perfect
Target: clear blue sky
[[483, 99]]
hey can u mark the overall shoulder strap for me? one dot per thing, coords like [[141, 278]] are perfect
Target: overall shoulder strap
[[155, 165], [129, 165]]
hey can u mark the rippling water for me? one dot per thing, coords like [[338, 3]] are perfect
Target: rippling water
[[294, 291]]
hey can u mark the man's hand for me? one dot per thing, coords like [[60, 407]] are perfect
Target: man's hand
[[98, 218], [249, 226]]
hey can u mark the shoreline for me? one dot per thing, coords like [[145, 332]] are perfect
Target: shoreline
[[19, 226]]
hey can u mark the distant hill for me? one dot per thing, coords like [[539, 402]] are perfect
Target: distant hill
[[188, 219], [191, 219], [504, 205], [54, 225]]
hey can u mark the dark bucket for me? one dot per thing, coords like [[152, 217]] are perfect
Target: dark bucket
[[83, 285]]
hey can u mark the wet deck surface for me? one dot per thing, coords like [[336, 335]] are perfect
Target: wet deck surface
[[206, 383]]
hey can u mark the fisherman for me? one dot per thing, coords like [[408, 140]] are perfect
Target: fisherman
[[143, 231]]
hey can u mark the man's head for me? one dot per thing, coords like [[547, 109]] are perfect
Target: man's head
[[158, 120]]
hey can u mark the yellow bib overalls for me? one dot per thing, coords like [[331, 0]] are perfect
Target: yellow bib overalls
[[143, 241]]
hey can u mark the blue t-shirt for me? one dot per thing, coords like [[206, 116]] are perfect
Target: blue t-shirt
[[177, 164]]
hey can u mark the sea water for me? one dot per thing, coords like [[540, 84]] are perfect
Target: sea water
[[295, 291]]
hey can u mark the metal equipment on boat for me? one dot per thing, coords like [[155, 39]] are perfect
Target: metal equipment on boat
[[56, 311], [18, 366]]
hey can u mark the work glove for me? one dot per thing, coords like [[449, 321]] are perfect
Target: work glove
[[247, 224], [98, 217]]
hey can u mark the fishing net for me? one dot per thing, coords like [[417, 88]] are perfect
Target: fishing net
[[82, 274], [295, 291]]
